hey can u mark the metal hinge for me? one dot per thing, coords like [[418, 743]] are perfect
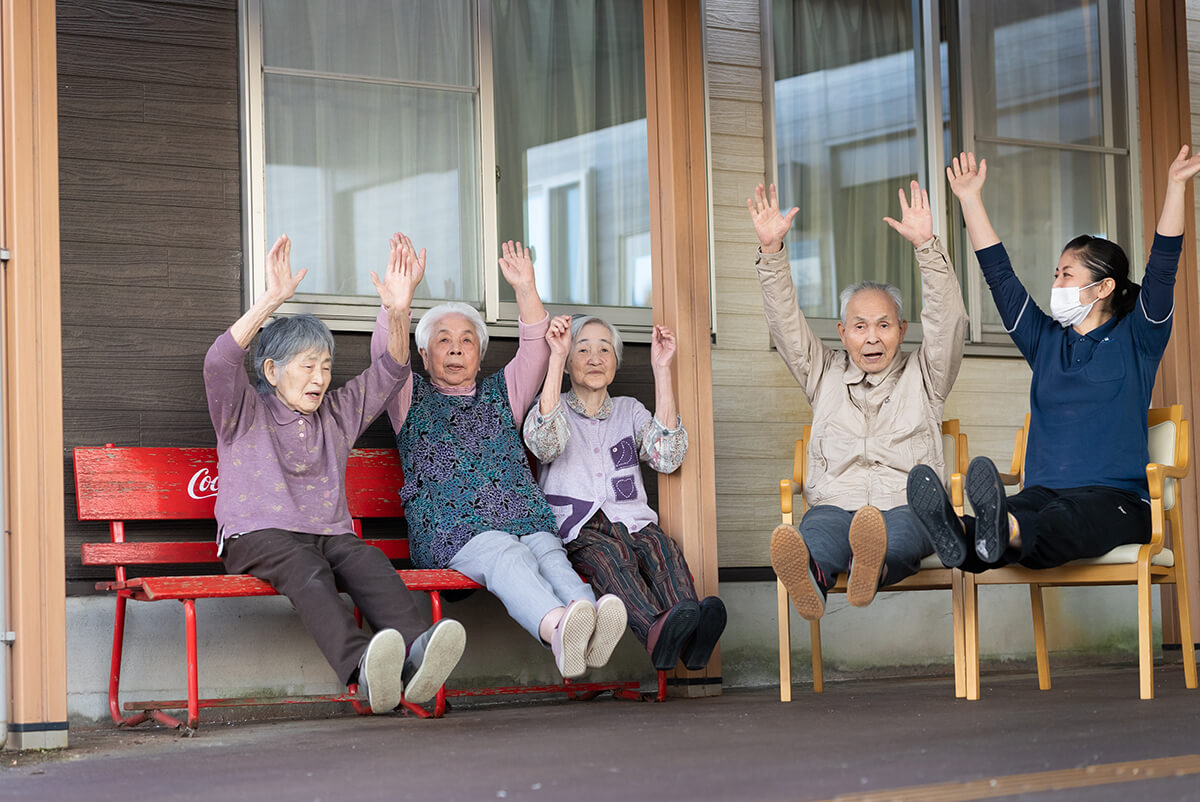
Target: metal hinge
[[5, 255], [8, 637]]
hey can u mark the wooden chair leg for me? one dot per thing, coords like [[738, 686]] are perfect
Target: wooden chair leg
[[1184, 604], [971, 634], [1039, 636], [814, 638], [785, 643], [1145, 625], [960, 646]]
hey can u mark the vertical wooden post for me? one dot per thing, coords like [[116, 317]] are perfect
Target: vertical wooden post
[[32, 367], [675, 125], [1164, 125]]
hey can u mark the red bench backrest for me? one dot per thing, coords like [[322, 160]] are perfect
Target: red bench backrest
[[157, 484]]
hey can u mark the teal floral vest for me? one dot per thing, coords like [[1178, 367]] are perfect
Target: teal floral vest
[[465, 471]]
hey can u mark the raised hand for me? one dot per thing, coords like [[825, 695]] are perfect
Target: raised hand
[[1184, 169], [966, 178], [405, 269], [281, 284], [558, 336], [516, 265], [769, 224], [916, 221], [662, 347]]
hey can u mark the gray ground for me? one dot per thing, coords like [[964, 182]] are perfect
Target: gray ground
[[859, 737]]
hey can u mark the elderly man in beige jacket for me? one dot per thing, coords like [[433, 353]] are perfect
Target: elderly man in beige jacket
[[877, 410]]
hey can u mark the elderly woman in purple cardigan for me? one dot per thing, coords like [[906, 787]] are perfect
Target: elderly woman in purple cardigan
[[589, 445]]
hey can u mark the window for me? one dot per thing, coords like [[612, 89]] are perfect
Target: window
[[870, 95], [462, 123]]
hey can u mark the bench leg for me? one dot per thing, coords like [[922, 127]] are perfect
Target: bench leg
[[435, 612], [114, 675], [193, 665]]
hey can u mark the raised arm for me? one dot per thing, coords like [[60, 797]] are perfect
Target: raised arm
[[405, 269], [966, 182], [281, 285], [526, 371], [801, 350], [662, 354], [1183, 169], [546, 431], [943, 313]]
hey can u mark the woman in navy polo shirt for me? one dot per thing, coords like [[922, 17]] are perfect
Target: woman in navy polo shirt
[[1094, 357]]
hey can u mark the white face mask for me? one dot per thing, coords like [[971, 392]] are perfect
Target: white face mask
[[1065, 307]]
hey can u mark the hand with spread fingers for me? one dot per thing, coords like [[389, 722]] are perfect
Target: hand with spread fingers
[[770, 225], [916, 221]]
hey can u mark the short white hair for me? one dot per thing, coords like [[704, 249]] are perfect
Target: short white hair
[[854, 289], [433, 316], [579, 321]]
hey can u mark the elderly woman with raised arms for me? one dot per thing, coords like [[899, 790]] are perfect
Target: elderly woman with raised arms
[[589, 445], [281, 508], [470, 498]]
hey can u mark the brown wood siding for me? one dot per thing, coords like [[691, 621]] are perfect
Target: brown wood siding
[[151, 211]]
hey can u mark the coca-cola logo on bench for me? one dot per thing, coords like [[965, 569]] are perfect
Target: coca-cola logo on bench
[[202, 484]]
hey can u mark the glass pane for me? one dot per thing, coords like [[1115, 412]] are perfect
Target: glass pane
[[570, 109], [1038, 70], [1071, 199], [410, 40], [349, 163], [846, 130]]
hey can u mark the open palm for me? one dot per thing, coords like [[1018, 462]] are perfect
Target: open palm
[[916, 221]]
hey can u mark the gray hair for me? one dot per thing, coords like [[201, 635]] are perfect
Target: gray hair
[[431, 318], [286, 338], [854, 289], [579, 321]]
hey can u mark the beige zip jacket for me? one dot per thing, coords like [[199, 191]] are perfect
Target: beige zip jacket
[[869, 430]]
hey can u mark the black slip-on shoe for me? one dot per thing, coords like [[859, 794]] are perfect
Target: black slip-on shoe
[[698, 650], [986, 493], [931, 506], [679, 625]]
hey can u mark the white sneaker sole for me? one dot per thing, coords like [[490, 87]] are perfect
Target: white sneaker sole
[[573, 633], [383, 669], [611, 619], [442, 654]]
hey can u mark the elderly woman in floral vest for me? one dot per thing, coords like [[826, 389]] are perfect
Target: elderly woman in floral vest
[[470, 499], [589, 448]]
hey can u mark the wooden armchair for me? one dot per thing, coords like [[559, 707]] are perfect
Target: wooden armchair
[[932, 576], [1132, 564]]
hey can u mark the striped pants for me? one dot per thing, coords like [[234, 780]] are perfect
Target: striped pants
[[644, 569]]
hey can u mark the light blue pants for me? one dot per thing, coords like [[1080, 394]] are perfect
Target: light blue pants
[[530, 575]]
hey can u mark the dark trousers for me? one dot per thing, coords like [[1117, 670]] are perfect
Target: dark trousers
[[644, 569], [311, 570], [1058, 526]]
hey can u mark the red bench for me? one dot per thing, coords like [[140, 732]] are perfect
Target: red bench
[[120, 485]]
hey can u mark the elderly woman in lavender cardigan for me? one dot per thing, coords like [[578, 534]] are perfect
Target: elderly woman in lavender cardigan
[[589, 447], [470, 499], [281, 506]]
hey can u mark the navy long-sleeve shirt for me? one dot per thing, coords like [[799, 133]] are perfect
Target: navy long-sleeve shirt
[[1090, 392]]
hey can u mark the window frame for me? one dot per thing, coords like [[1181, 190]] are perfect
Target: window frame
[[350, 313], [981, 339]]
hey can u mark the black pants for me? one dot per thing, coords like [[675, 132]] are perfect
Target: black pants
[[1058, 526], [311, 570]]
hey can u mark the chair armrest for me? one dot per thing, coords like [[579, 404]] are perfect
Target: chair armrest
[[956, 492], [787, 494], [1157, 475]]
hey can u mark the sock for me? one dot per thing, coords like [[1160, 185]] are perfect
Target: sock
[[1014, 528], [655, 630]]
